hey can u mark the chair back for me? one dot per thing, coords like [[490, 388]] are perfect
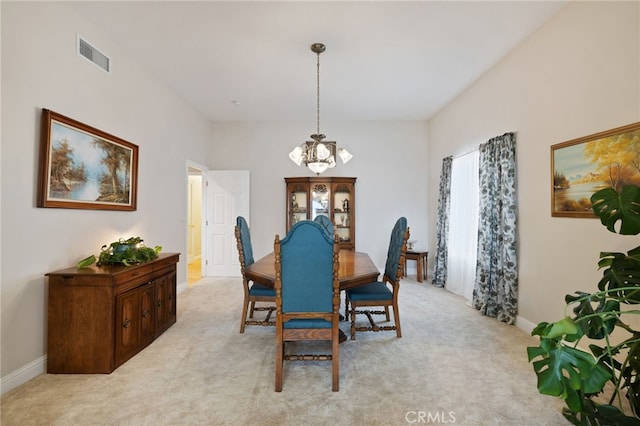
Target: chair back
[[397, 249], [306, 270], [326, 224], [244, 242], [307, 295]]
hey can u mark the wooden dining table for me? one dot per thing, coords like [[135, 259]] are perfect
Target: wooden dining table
[[356, 268]]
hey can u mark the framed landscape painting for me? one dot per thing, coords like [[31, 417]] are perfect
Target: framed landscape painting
[[581, 167], [84, 168]]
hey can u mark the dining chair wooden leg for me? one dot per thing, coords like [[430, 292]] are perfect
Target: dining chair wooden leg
[[245, 307], [386, 313], [346, 307], [396, 318], [335, 366], [253, 306], [353, 322], [279, 364]]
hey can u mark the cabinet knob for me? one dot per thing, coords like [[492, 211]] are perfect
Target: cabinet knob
[[126, 323], [159, 303], [145, 314]]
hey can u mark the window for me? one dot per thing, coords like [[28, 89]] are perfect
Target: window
[[463, 225]]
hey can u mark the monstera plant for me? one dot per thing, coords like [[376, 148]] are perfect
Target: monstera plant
[[591, 358]]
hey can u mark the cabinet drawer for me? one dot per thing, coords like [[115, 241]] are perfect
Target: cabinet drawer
[[168, 261], [77, 280], [133, 272]]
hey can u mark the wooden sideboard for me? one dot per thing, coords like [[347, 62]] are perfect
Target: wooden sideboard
[[101, 316]]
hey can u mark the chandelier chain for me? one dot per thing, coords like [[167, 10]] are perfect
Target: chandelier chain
[[318, 92]]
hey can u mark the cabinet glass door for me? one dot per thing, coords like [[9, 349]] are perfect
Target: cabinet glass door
[[342, 212], [319, 200], [298, 204]]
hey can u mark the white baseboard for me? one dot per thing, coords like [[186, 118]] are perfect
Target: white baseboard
[[181, 287], [525, 325], [23, 375]]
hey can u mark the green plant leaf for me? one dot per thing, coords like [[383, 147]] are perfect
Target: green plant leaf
[[593, 414], [565, 369], [561, 328], [610, 415], [621, 271], [540, 329], [87, 261], [565, 329], [611, 207], [574, 400], [594, 323]]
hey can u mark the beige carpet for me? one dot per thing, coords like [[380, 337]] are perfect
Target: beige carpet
[[452, 366]]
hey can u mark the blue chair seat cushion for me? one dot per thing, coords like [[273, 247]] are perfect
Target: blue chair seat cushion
[[260, 290], [307, 323], [374, 291]]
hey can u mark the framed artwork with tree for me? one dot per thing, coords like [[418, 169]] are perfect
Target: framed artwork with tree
[[85, 168], [582, 166]]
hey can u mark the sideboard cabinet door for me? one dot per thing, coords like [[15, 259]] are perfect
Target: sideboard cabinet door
[[165, 302], [147, 326], [128, 325]]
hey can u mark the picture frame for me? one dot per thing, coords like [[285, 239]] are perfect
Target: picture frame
[[82, 167], [580, 167]]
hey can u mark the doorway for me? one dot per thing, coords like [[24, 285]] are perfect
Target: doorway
[[194, 224], [227, 197]]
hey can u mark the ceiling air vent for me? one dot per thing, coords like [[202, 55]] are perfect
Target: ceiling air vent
[[94, 55]]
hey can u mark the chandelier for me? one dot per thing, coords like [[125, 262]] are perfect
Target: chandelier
[[317, 155]]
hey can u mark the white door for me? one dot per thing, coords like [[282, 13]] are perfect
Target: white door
[[227, 198]]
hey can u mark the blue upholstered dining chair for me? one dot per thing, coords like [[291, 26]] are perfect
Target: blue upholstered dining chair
[[307, 295], [382, 293], [253, 292], [326, 224]]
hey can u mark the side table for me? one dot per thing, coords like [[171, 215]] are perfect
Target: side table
[[421, 262]]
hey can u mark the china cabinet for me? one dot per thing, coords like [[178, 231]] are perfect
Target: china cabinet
[[334, 197]]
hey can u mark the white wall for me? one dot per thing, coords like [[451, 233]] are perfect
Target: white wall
[[40, 69], [390, 162], [578, 75]]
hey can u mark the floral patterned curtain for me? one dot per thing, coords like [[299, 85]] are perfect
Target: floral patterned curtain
[[496, 287], [442, 224]]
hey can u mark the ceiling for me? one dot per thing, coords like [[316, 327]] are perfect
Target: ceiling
[[251, 61]]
